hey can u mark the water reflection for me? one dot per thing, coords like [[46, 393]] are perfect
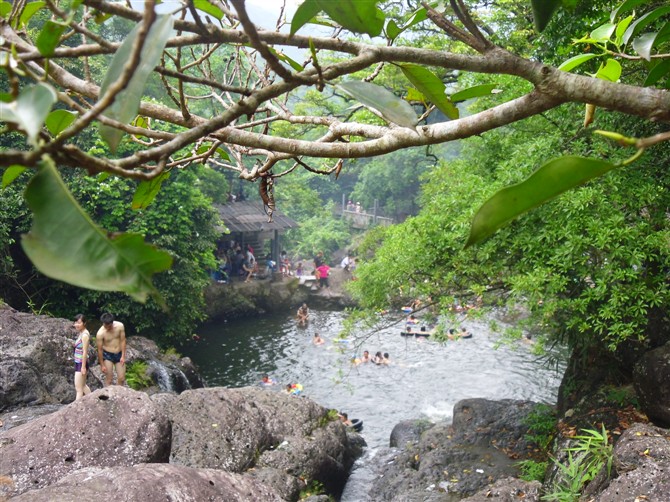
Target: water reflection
[[424, 379]]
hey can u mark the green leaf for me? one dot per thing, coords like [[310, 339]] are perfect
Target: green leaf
[[621, 28], [127, 102], [625, 7], [643, 21], [431, 87], [66, 245], [644, 43], [542, 12], [207, 7], [147, 190], [49, 36], [30, 109], [5, 9], [358, 16], [29, 11], [392, 30], [59, 120], [549, 181], [392, 108], [304, 14], [611, 71], [603, 33], [223, 154], [414, 95], [283, 57], [658, 72], [575, 61], [11, 173], [476, 91]]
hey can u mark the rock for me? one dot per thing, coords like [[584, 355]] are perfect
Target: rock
[[115, 426], [483, 445], [36, 365], [508, 490], [651, 379], [408, 431], [153, 482], [239, 429], [642, 462]]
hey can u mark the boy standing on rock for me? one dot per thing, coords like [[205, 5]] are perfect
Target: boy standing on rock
[[111, 342]]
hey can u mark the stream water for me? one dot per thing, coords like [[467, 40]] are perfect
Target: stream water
[[424, 380]]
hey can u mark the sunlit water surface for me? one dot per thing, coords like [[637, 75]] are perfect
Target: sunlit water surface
[[424, 380]]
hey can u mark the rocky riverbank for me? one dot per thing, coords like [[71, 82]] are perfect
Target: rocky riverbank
[[255, 444]]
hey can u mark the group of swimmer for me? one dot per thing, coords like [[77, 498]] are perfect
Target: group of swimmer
[[378, 358]]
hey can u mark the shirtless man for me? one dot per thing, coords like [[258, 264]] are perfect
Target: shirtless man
[[111, 342]]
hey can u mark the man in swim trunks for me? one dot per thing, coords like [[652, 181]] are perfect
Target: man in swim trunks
[[111, 342]]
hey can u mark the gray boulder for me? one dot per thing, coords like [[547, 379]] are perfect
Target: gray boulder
[[115, 426], [36, 365], [408, 431], [483, 445], [282, 438], [508, 490], [642, 462], [651, 379], [149, 482]]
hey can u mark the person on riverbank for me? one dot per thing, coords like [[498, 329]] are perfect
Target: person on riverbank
[[324, 271], [81, 357], [111, 342], [302, 315]]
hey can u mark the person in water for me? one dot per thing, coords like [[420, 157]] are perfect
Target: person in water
[[344, 418], [111, 341], [266, 380], [377, 358], [81, 357], [317, 340], [303, 314], [386, 358], [366, 357]]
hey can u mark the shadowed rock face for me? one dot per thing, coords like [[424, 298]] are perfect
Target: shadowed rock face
[[651, 379], [149, 482], [115, 426]]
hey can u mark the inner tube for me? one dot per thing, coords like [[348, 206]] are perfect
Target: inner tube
[[357, 424], [407, 310], [469, 335]]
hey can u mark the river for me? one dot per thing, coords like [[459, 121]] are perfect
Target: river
[[424, 379]]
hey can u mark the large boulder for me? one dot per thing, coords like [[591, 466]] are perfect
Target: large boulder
[[115, 426], [283, 438], [36, 365], [651, 379], [482, 445], [149, 482], [641, 465]]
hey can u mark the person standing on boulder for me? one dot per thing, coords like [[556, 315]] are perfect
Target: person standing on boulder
[[111, 341], [81, 357]]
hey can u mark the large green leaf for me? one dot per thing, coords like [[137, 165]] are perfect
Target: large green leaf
[[549, 181], [66, 245], [11, 173], [147, 190], [207, 7], [643, 21], [30, 109], [625, 7], [476, 91], [542, 12], [659, 71], [127, 102], [431, 87], [304, 14], [575, 61], [644, 44], [391, 107], [59, 120], [49, 36], [29, 11], [610, 70], [358, 16]]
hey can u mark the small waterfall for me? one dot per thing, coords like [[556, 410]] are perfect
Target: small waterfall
[[168, 377], [162, 376]]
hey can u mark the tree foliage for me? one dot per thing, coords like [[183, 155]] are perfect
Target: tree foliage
[[227, 82]]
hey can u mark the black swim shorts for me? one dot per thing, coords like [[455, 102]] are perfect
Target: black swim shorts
[[115, 357]]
